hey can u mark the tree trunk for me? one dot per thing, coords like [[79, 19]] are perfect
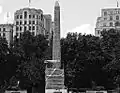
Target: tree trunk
[[33, 89]]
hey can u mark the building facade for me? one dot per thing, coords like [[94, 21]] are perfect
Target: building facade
[[29, 19], [48, 25], [6, 31], [109, 19]]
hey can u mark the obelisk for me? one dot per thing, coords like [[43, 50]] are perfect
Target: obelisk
[[56, 50], [54, 75]]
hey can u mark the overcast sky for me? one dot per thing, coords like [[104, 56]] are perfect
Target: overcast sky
[[76, 15]]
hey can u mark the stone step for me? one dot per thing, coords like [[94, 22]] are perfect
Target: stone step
[[51, 80], [54, 71], [55, 86], [58, 76], [55, 81]]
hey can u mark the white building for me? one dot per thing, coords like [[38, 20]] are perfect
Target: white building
[[29, 19], [110, 18]]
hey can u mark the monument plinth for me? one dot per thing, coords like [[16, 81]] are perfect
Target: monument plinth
[[54, 77]]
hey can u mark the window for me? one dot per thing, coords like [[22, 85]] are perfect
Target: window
[[117, 17], [33, 22], [25, 14], [17, 28], [0, 34], [105, 13], [3, 34], [29, 27], [29, 22], [111, 18], [3, 29], [17, 23], [98, 31], [33, 16], [29, 16], [0, 29], [20, 22], [20, 28], [17, 17], [111, 24], [41, 17], [33, 28], [20, 16], [25, 28], [25, 22]]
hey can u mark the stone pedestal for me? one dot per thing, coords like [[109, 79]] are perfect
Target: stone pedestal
[[54, 77]]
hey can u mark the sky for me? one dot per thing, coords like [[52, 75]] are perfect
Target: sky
[[76, 15]]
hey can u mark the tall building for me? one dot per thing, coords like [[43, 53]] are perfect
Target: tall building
[[6, 31], [48, 25], [56, 54], [29, 19], [110, 18]]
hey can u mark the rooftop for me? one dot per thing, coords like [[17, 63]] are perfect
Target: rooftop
[[56, 3]]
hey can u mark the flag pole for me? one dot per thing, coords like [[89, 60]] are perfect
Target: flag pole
[[29, 3], [117, 3], [7, 17]]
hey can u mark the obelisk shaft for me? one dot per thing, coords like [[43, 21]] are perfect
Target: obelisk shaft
[[56, 51]]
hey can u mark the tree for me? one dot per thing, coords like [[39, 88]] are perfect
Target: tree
[[110, 44], [31, 53], [4, 52], [83, 59]]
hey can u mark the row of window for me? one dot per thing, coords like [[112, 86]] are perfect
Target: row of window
[[111, 18], [4, 29], [111, 24], [25, 28], [17, 34], [25, 22], [30, 16], [25, 16], [111, 12], [2, 35], [99, 31]]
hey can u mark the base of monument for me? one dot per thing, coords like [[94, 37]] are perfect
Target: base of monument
[[55, 91]]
